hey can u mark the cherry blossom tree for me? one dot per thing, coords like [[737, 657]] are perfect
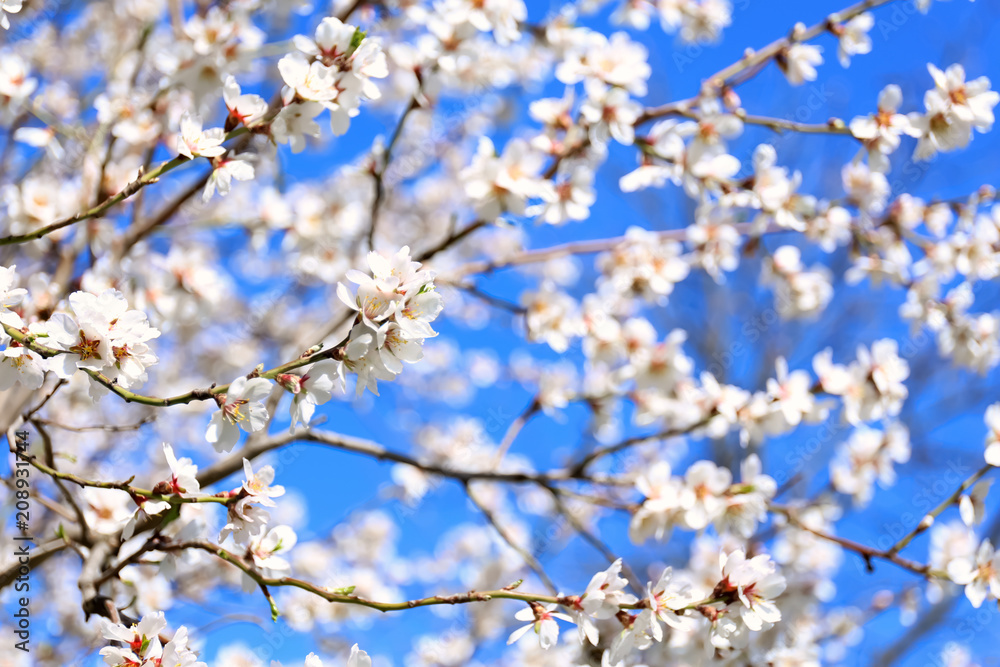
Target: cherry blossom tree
[[273, 273]]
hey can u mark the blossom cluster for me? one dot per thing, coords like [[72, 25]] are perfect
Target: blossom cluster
[[705, 495], [140, 644], [332, 71], [395, 307], [740, 603], [99, 335]]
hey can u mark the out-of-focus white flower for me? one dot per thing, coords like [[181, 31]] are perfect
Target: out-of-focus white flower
[[643, 264], [664, 499], [798, 292], [992, 419], [972, 505], [194, 142], [552, 316], [799, 62], [868, 457], [953, 108], [881, 131], [979, 574], [498, 185], [569, 199], [853, 37], [868, 189]]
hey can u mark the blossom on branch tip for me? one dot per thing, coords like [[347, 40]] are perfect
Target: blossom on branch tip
[[853, 37], [799, 62], [605, 593], [194, 142], [314, 387], [980, 574], [247, 519], [244, 108], [881, 131], [183, 472], [334, 70], [103, 336], [396, 305], [141, 644], [224, 171], [756, 583], [239, 407]]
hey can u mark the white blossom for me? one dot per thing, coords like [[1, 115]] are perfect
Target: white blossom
[[542, 621], [240, 407], [799, 62]]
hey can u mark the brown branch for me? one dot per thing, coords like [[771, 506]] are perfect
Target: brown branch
[[755, 59], [866, 552]]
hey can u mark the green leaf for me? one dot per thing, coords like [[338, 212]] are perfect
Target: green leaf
[[356, 39]]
